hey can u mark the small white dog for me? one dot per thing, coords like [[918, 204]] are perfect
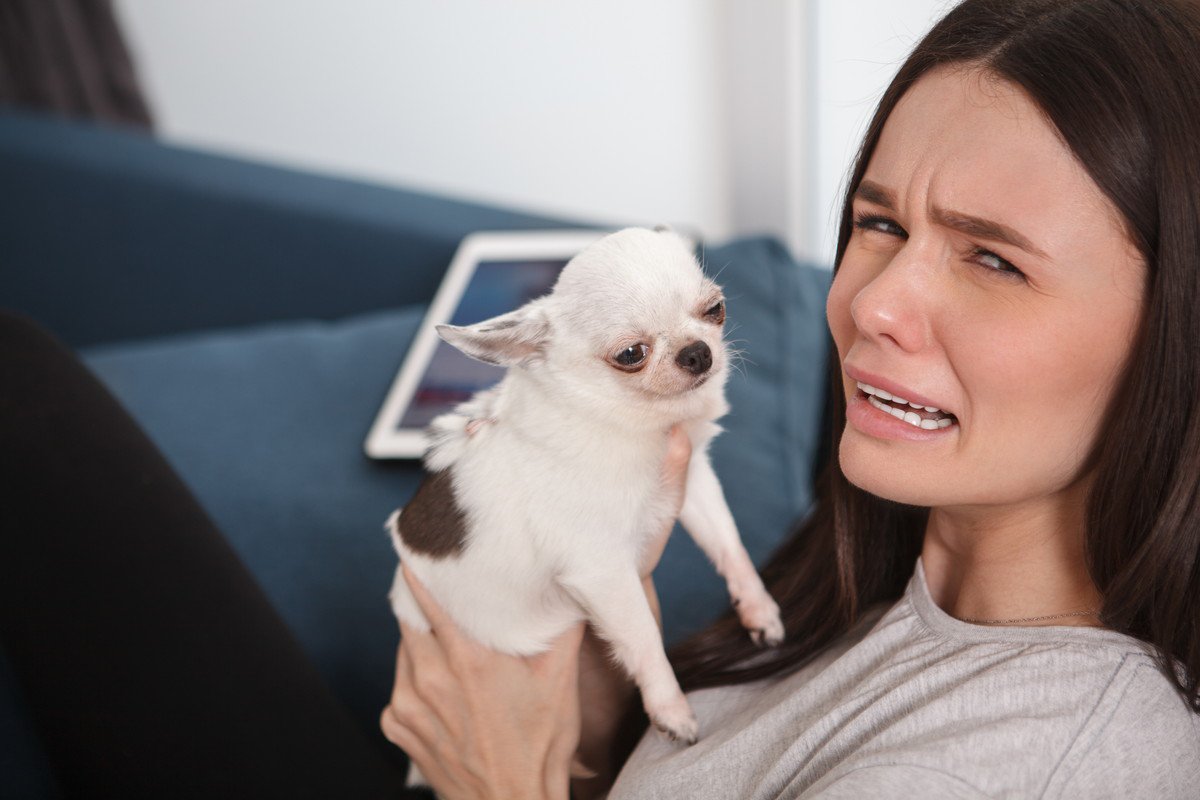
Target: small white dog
[[544, 491]]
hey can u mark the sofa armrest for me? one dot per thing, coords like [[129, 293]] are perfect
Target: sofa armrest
[[108, 234]]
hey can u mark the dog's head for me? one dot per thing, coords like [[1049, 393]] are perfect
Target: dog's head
[[632, 320]]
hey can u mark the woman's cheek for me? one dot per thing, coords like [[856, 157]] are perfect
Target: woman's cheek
[[837, 307]]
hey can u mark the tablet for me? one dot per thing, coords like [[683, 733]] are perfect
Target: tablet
[[491, 274]]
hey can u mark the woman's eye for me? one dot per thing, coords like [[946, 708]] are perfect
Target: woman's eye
[[632, 356], [994, 263], [716, 314], [878, 224]]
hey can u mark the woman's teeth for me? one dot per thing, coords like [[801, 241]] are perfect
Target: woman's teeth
[[931, 419]]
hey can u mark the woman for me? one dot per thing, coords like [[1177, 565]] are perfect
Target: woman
[[1019, 249]]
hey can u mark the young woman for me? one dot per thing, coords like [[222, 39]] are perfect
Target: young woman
[[1008, 604]]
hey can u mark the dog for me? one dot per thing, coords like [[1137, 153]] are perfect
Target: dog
[[543, 493]]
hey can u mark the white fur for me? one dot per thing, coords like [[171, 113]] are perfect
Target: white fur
[[557, 469]]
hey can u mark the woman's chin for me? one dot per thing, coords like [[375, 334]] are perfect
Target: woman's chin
[[907, 484]]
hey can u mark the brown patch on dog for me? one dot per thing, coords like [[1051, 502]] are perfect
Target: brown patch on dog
[[432, 522]]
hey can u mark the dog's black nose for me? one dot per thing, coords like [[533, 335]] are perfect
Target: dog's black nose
[[696, 358]]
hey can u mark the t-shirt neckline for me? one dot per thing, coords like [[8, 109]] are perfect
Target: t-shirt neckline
[[942, 623]]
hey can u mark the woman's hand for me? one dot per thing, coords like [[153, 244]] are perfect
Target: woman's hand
[[483, 724]]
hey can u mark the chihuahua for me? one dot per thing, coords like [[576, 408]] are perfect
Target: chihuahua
[[544, 492]]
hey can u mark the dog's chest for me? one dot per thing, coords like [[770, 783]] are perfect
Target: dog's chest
[[612, 494]]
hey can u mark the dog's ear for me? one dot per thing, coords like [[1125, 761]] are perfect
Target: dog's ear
[[518, 337]]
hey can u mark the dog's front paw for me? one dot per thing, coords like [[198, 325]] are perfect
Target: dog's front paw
[[760, 616], [675, 720]]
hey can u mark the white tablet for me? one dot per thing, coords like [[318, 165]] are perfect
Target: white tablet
[[491, 274]]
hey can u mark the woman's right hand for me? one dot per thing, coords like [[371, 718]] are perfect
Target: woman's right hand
[[605, 691], [480, 724]]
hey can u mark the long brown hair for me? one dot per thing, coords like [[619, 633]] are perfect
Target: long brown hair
[[1120, 80]]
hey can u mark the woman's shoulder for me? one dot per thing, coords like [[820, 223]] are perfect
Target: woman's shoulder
[[1141, 739], [1038, 721]]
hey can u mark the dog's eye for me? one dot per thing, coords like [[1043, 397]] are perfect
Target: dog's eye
[[632, 357], [716, 314]]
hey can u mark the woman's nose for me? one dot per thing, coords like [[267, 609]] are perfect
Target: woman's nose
[[896, 304]]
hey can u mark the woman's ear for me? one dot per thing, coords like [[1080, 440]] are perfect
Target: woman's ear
[[518, 337]]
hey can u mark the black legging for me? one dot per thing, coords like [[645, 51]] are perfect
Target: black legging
[[151, 662]]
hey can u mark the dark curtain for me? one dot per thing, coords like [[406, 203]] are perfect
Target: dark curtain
[[68, 57]]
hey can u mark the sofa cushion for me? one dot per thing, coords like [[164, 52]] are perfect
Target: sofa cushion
[[266, 425]]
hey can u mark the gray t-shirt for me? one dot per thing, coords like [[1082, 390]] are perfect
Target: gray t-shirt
[[915, 703]]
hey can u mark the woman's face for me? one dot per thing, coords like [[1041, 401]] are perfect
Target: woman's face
[[989, 277]]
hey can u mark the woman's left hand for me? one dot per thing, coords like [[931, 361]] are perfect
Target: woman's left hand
[[483, 724]]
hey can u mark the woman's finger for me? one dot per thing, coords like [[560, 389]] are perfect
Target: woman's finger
[[564, 649], [406, 707], [568, 641], [679, 455], [424, 695], [448, 634], [673, 477], [398, 734], [411, 742], [429, 607], [422, 644], [458, 650], [425, 672], [413, 644]]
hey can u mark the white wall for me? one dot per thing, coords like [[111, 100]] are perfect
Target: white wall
[[768, 105], [601, 110], [857, 48], [725, 116]]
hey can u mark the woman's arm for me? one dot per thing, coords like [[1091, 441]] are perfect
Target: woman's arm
[[481, 724]]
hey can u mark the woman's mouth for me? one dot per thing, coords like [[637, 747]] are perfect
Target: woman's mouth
[[923, 417]]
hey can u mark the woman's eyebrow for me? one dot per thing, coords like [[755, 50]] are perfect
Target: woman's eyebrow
[[874, 193], [965, 223], [986, 229]]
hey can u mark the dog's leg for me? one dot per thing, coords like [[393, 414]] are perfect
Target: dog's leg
[[707, 518], [613, 598]]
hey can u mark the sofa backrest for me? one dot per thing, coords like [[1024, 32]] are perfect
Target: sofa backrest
[[107, 234]]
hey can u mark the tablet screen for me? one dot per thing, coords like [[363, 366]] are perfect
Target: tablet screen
[[495, 288]]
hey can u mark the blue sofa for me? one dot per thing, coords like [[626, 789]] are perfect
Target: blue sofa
[[251, 319]]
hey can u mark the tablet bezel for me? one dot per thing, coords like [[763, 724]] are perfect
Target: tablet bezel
[[386, 439]]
